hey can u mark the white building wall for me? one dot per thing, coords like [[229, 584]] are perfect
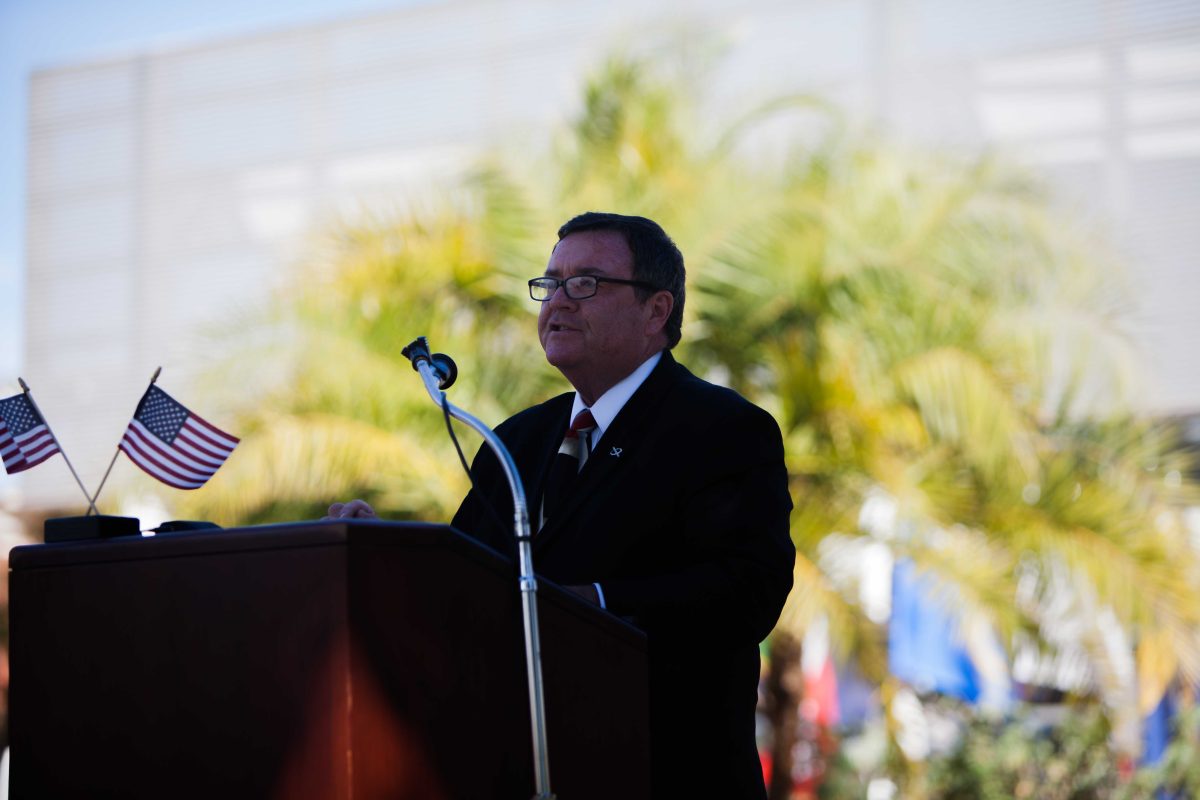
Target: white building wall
[[170, 188]]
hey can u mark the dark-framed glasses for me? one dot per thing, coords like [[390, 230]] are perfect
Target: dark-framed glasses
[[577, 287]]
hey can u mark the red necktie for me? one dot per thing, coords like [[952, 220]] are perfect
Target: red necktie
[[571, 456]]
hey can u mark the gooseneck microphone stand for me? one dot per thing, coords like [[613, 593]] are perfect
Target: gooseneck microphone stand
[[438, 372]]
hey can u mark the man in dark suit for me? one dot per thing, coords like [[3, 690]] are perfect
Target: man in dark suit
[[674, 513]]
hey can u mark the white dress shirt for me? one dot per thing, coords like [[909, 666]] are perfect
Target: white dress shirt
[[606, 408]]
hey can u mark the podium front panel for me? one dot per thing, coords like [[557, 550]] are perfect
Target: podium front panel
[[316, 660]]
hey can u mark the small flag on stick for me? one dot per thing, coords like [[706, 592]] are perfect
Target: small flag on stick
[[25, 439], [172, 444]]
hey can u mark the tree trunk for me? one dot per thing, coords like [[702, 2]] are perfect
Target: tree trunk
[[784, 689]]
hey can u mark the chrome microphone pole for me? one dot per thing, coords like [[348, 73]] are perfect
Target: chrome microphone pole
[[425, 364]]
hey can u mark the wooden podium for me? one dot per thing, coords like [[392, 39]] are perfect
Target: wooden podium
[[324, 660]]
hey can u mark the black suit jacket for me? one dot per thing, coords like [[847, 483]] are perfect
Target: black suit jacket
[[681, 514]]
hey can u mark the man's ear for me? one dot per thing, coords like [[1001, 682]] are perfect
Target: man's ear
[[661, 304]]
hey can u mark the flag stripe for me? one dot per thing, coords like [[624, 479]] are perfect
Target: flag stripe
[[33, 445], [149, 452], [220, 439], [149, 441], [151, 447], [33, 436], [34, 460], [42, 452], [197, 439], [14, 459], [35, 440], [155, 471], [157, 467], [185, 445], [47, 444]]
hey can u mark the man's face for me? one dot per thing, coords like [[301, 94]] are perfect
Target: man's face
[[597, 341]]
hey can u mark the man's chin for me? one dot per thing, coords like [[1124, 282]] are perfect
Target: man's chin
[[561, 357]]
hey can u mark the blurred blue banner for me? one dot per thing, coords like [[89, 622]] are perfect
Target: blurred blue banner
[[923, 645]]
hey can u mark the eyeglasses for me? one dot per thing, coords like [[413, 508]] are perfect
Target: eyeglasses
[[577, 287]]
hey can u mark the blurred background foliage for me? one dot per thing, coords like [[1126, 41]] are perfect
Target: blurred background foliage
[[935, 338]]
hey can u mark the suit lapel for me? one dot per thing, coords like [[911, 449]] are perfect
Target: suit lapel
[[542, 455], [617, 446]]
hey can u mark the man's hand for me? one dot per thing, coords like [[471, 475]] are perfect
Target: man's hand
[[355, 509]]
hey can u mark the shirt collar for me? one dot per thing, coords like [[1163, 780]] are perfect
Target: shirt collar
[[606, 408]]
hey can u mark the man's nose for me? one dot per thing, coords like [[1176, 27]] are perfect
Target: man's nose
[[560, 297]]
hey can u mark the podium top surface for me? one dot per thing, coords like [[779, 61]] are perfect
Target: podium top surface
[[348, 534], [232, 540]]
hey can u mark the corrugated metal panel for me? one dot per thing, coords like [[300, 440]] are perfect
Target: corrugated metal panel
[[57, 96]]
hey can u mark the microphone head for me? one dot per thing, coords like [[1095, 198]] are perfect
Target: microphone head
[[446, 368]]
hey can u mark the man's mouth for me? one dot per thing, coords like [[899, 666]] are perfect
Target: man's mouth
[[559, 328]]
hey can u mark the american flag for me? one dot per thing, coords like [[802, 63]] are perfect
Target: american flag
[[173, 444], [25, 440]]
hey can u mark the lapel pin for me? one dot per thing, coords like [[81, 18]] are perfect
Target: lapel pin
[[616, 451]]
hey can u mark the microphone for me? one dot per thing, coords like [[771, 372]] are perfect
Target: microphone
[[443, 366], [446, 369]]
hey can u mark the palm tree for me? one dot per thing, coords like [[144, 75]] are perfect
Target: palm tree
[[341, 413], [926, 329], [878, 307]]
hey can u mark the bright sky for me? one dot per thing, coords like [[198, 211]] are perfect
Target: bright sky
[[46, 33]]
